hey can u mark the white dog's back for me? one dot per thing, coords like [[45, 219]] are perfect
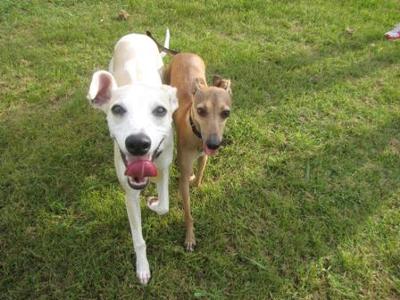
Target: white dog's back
[[136, 59]]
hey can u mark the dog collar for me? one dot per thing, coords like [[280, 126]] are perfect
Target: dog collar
[[194, 129]]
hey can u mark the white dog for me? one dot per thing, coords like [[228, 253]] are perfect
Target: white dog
[[139, 116]]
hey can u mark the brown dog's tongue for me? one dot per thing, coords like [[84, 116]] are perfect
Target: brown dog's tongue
[[209, 151], [141, 169]]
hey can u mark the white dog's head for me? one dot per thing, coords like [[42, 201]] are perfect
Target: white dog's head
[[139, 118]]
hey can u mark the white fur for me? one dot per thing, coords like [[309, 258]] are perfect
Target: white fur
[[135, 84]]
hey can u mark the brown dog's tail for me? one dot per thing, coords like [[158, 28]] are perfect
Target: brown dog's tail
[[164, 49]]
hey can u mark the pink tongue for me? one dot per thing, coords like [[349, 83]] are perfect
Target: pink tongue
[[208, 151], [141, 169]]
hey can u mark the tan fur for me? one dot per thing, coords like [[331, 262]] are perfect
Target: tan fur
[[187, 73]]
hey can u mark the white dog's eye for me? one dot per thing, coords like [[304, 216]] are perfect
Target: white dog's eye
[[118, 110], [159, 111]]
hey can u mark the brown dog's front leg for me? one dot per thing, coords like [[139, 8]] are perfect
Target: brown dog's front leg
[[186, 168], [201, 165]]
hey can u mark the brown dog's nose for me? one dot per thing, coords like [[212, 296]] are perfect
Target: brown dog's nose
[[213, 142]]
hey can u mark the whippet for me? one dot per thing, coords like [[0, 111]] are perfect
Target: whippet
[[199, 121], [139, 112]]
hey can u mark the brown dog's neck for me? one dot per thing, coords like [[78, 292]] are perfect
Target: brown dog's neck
[[193, 125]]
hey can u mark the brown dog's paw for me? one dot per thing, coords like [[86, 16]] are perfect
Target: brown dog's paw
[[190, 243], [196, 183], [189, 246], [192, 178]]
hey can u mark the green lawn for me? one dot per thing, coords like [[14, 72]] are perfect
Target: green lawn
[[301, 203]]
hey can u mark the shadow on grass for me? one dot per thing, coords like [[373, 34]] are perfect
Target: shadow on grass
[[65, 231], [290, 214]]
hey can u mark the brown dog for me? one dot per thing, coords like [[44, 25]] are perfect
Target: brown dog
[[199, 121]]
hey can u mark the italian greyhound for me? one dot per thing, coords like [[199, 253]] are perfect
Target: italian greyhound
[[199, 121]]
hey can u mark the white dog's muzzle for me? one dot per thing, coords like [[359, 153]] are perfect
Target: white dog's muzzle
[[140, 168]]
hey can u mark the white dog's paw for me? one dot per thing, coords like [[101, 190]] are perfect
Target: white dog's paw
[[154, 204], [143, 277], [143, 272]]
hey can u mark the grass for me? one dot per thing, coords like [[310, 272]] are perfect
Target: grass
[[301, 203]]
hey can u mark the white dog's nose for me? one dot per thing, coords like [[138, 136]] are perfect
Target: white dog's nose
[[138, 144]]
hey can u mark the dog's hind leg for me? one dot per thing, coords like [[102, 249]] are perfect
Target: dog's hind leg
[[135, 221], [161, 204], [201, 165]]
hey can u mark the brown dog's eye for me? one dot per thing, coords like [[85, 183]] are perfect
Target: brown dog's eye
[[225, 114], [201, 111]]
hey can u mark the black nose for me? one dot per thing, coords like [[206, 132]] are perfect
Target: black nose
[[213, 142], [138, 144]]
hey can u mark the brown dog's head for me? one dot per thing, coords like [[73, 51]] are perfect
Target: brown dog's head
[[211, 108]]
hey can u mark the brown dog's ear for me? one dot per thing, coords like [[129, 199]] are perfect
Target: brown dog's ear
[[198, 84], [222, 83]]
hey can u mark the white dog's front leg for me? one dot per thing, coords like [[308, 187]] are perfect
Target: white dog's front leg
[[161, 204], [135, 221]]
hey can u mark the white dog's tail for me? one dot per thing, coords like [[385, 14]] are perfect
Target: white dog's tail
[[166, 43], [164, 49]]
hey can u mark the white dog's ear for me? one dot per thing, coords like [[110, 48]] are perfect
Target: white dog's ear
[[100, 89], [173, 98]]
